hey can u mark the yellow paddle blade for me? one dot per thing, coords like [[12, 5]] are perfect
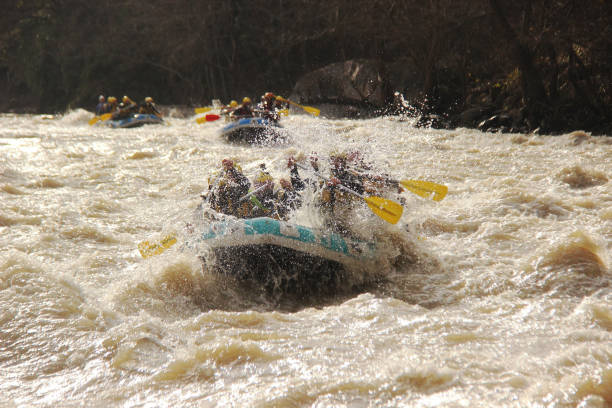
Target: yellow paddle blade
[[426, 189], [283, 112], [203, 109], [148, 249], [388, 210], [95, 119]]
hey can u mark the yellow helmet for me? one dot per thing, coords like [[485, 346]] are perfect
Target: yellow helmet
[[112, 99], [337, 154], [262, 177], [233, 104], [126, 99], [246, 99], [148, 99]]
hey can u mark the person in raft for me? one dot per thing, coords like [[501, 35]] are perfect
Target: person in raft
[[226, 191], [245, 110], [148, 107]]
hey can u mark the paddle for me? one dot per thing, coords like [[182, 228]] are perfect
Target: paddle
[[388, 210], [148, 249], [257, 190], [309, 109], [203, 109], [95, 119], [425, 189], [208, 118]]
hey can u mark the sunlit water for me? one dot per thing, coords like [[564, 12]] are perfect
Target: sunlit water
[[498, 295]]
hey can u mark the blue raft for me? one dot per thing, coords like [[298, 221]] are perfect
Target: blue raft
[[253, 131], [281, 254], [135, 120]]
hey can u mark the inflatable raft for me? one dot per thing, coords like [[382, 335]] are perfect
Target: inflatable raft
[[282, 254], [253, 131], [135, 120]]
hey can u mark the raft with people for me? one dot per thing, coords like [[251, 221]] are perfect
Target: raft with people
[[249, 227], [127, 114], [249, 124]]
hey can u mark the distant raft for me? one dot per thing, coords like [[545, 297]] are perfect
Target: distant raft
[[135, 120], [280, 254], [254, 131]]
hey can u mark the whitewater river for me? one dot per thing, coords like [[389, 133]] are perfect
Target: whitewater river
[[497, 296]]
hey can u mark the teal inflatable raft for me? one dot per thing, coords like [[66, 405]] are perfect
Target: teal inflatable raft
[[282, 254]]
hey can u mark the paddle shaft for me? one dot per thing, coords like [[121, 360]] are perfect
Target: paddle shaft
[[340, 186], [257, 190]]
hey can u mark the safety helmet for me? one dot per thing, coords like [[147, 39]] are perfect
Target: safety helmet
[[233, 104], [148, 99], [286, 184], [279, 98], [101, 98], [112, 99], [337, 154], [263, 177], [227, 163], [269, 95], [246, 100]]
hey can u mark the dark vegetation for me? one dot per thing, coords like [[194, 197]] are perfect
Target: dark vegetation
[[537, 64]]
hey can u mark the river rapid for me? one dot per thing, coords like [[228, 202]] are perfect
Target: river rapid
[[497, 296]]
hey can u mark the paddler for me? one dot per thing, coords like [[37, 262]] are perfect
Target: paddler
[[263, 198], [227, 109], [245, 110], [148, 107], [112, 105], [279, 103], [225, 193], [266, 108], [127, 108], [287, 199], [101, 107], [336, 204]]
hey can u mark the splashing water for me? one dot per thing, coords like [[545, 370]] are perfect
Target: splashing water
[[499, 295]]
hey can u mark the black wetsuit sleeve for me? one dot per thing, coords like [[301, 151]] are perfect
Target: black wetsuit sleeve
[[297, 183]]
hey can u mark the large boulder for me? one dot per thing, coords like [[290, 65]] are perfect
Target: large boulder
[[353, 82]]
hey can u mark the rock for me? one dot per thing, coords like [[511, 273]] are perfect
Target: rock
[[353, 82], [470, 117], [501, 122]]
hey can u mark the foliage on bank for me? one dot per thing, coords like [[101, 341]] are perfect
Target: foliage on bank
[[546, 62]]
